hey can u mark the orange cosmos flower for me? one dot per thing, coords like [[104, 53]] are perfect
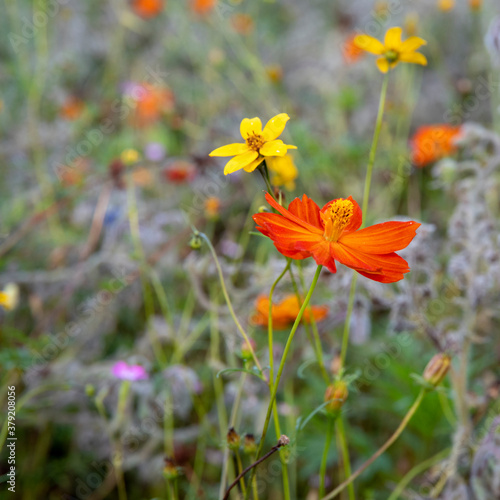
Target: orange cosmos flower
[[202, 7], [332, 233], [433, 142], [350, 51], [258, 144], [147, 8], [285, 312], [72, 108], [151, 102]]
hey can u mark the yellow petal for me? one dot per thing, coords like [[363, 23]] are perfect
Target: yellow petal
[[382, 64], [230, 150], [240, 161], [392, 39], [274, 127], [370, 44], [254, 164], [412, 44], [273, 148], [250, 126], [413, 57]]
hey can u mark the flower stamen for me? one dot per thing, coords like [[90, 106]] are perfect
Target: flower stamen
[[336, 218], [255, 142], [391, 56]]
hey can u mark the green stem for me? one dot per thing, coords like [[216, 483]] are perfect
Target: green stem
[[283, 359], [366, 197], [382, 449], [345, 454], [415, 471], [228, 302], [328, 442], [316, 342], [270, 324]]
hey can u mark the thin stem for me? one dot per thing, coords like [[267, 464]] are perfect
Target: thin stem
[[270, 323], [283, 359], [366, 197], [415, 471], [382, 449], [252, 466], [240, 470], [373, 149], [316, 342], [345, 454], [228, 302], [328, 442]]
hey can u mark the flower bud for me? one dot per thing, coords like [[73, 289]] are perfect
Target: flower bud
[[195, 242], [437, 368], [89, 390], [249, 444], [246, 353], [233, 439], [170, 471], [336, 395], [475, 4]]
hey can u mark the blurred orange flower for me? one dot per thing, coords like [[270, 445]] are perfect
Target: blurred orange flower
[[446, 5], [242, 23], [212, 207], [350, 51], [72, 108], [285, 312], [333, 233], [202, 7], [75, 173], [180, 171], [433, 142], [151, 103], [147, 8]]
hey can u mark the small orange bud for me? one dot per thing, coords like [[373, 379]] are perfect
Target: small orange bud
[[246, 352], [336, 395], [475, 4], [437, 368]]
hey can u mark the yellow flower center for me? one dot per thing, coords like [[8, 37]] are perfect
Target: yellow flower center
[[255, 142], [391, 56], [336, 218]]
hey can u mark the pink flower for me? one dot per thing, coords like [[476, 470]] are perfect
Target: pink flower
[[124, 371]]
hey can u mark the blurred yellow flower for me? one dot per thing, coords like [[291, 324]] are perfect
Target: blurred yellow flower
[[393, 50], [129, 156], [259, 144], [283, 170], [446, 5], [9, 297]]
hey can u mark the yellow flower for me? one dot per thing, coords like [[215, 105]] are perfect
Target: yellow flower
[[9, 297], [258, 145], [393, 50], [284, 172], [446, 5], [129, 156]]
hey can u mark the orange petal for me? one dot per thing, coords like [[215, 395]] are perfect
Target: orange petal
[[322, 254], [290, 216], [386, 268], [307, 210], [289, 238], [381, 238]]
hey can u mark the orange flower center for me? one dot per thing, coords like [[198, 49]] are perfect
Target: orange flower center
[[336, 218], [255, 142]]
